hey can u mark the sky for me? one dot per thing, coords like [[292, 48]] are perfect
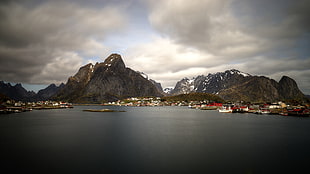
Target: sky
[[47, 41]]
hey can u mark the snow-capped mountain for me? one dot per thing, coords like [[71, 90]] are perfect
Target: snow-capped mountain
[[168, 90], [212, 83], [236, 85], [184, 86]]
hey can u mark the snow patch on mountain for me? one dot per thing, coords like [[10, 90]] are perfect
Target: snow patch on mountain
[[143, 74]]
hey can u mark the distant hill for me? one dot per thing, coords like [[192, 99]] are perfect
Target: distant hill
[[107, 81], [234, 85], [19, 93], [48, 92], [16, 92]]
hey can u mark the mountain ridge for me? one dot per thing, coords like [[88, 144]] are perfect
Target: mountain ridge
[[111, 80], [19, 93], [235, 85]]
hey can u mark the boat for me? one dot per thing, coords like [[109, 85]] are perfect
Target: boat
[[300, 112], [225, 110], [262, 111], [283, 113], [265, 111], [240, 109], [209, 108]]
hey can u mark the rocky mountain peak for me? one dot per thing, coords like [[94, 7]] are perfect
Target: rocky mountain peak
[[184, 86], [286, 79], [289, 89], [114, 61], [235, 71]]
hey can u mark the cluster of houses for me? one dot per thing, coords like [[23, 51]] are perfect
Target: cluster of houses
[[149, 101], [142, 101], [279, 108], [272, 108], [11, 106]]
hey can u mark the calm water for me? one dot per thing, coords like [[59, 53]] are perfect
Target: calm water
[[152, 140]]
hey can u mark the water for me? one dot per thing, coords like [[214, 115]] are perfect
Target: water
[[152, 140]]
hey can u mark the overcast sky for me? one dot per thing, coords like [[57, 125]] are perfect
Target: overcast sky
[[44, 42]]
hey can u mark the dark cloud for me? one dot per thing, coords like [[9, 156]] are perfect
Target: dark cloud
[[225, 27], [266, 37], [45, 41]]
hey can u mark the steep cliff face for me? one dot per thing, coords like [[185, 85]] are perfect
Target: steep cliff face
[[75, 85], [107, 81], [235, 85], [157, 85]]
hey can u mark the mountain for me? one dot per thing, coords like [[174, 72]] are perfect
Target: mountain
[[48, 92], [212, 83], [16, 92], [107, 81], [19, 93], [168, 90], [289, 89], [235, 85], [183, 86]]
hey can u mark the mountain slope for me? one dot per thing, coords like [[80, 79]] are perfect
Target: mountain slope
[[107, 81]]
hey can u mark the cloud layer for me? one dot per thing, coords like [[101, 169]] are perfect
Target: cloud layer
[[260, 37], [45, 42]]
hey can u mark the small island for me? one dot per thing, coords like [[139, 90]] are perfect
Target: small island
[[101, 110]]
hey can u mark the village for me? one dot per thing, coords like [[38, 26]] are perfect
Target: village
[[278, 108], [11, 106]]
